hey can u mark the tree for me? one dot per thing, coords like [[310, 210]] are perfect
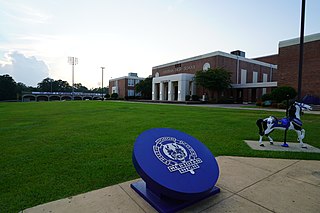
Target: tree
[[78, 87], [145, 88], [280, 94], [22, 88], [8, 88], [217, 79], [48, 85]]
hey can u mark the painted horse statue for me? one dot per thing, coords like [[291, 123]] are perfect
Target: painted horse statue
[[293, 122]]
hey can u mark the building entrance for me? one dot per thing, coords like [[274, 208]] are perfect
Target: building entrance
[[175, 93]]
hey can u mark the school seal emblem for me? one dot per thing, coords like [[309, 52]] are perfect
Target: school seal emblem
[[176, 154]]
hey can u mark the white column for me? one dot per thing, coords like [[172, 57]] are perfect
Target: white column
[[183, 88], [154, 92], [161, 92], [193, 88], [170, 91]]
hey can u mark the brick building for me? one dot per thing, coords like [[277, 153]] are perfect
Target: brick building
[[124, 86], [287, 60], [251, 78]]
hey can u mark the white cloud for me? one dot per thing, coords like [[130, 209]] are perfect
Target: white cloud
[[27, 70]]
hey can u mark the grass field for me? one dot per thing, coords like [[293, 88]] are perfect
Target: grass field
[[52, 150]]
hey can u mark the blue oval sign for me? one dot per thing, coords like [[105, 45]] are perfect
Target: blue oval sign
[[175, 164]]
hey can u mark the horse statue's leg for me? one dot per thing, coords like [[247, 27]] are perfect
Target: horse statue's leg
[[303, 133], [260, 140], [270, 140], [261, 131], [300, 137], [300, 132]]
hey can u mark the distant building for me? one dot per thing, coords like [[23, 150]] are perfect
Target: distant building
[[251, 78], [125, 86]]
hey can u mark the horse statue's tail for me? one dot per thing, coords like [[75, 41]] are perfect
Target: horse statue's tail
[[259, 124]]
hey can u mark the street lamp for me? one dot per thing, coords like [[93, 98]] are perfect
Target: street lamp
[[73, 61], [303, 6], [102, 68]]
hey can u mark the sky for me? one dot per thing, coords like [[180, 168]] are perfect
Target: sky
[[38, 36]]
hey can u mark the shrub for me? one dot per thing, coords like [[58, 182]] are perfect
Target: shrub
[[195, 98], [267, 97], [225, 100], [267, 103], [282, 105], [114, 95], [107, 96], [280, 94], [188, 97]]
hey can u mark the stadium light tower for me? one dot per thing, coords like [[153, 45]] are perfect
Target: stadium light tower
[[73, 61], [102, 68]]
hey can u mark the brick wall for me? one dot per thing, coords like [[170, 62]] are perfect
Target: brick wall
[[228, 63], [271, 59], [289, 65]]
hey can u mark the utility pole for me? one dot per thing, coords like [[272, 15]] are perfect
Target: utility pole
[[102, 68], [301, 48], [73, 61]]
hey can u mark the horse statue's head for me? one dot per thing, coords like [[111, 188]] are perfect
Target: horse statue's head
[[303, 106], [297, 109]]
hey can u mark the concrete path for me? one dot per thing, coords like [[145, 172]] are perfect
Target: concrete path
[[247, 185]]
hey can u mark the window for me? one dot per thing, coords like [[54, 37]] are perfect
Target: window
[[130, 92], [130, 82], [243, 76], [255, 77], [137, 81], [265, 79]]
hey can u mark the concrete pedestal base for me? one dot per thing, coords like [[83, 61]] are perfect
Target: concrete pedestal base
[[162, 204]]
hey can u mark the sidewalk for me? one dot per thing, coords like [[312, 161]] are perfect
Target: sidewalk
[[247, 185]]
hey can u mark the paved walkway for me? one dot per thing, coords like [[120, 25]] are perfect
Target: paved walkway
[[247, 185]]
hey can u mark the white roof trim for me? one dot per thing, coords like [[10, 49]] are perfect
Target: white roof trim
[[256, 85], [217, 53], [295, 41]]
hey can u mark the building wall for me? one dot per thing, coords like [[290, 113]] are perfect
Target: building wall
[[271, 59], [123, 86], [232, 63], [289, 67], [229, 64]]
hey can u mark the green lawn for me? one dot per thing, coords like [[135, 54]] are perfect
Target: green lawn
[[52, 150]]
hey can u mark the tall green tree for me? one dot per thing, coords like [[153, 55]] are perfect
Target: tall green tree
[[145, 88], [22, 88], [214, 80], [8, 88], [78, 87], [48, 85]]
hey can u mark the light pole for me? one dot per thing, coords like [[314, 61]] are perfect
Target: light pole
[[102, 68], [73, 61], [303, 6]]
